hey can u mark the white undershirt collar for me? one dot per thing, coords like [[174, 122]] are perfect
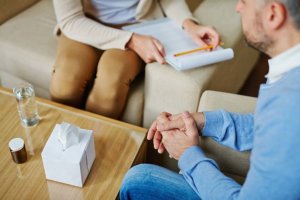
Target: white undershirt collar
[[283, 63]]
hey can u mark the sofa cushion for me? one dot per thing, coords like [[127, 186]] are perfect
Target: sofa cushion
[[27, 44], [212, 100], [10, 8]]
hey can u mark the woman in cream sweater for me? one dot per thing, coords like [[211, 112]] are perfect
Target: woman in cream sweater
[[96, 61]]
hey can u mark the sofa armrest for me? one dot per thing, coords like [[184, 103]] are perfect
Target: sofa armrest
[[235, 164], [10, 8], [212, 100]]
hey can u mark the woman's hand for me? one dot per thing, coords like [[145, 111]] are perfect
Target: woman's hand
[[147, 47], [202, 35]]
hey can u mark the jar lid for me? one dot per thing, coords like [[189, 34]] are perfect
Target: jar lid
[[16, 144]]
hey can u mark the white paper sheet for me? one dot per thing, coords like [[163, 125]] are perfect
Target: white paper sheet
[[176, 40]]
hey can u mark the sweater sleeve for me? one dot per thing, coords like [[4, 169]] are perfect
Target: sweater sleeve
[[75, 25], [177, 10], [230, 129], [204, 176]]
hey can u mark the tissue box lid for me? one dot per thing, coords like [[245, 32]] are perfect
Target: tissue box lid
[[53, 149]]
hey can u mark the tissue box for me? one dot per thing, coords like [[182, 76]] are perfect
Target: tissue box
[[70, 166]]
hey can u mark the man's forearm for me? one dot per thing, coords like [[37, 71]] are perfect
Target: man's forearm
[[231, 129]]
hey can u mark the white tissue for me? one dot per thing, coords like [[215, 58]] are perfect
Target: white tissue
[[68, 135]]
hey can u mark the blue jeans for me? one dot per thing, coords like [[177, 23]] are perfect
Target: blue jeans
[[147, 181]]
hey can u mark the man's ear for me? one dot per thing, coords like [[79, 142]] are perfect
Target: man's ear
[[276, 14]]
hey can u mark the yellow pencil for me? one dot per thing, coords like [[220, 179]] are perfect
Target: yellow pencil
[[194, 50], [197, 49]]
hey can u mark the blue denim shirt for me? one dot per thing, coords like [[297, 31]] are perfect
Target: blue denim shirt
[[273, 134]]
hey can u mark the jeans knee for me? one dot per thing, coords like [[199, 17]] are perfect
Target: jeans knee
[[134, 180], [139, 169], [136, 172]]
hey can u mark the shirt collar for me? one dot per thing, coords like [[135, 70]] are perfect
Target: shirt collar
[[283, 63]]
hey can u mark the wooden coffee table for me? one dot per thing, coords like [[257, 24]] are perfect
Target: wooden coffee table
[[118, 146]]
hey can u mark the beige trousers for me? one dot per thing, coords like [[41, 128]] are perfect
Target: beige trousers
[[99, 81]]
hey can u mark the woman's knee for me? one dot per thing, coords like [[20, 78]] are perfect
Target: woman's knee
[[120, 66], [66, 82], [116, 70], [70, 81]]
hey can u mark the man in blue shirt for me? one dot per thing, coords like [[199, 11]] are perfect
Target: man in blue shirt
[[273, 132]]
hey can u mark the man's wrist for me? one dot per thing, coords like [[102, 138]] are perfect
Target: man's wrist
[[200, 121]]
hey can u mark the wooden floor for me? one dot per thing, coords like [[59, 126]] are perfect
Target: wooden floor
[[256, 77]]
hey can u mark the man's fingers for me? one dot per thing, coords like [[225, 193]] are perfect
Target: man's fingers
[[157, 139], [151, 131], [161, 148], [174, 117], [164, 122], [173, 124], [163, 117]]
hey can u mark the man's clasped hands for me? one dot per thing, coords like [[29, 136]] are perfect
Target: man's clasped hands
[[176, 133]]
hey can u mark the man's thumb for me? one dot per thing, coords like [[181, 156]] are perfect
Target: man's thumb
[[189, 122]]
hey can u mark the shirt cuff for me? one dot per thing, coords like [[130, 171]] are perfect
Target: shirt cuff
[[214, 122], [191, 157]]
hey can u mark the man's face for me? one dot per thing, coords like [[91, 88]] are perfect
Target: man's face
[[251, 12]]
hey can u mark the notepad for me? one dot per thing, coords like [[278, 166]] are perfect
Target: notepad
[[176, 40]]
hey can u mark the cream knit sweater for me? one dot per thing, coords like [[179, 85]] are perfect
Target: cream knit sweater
[[73, 22]]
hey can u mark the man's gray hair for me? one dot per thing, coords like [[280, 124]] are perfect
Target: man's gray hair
[[293, 7]]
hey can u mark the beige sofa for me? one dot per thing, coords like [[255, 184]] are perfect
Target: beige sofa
[[28, 46]]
